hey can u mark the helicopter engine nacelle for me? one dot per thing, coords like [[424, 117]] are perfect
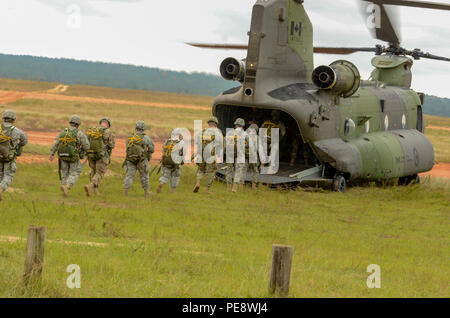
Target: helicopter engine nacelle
[[232, 69], [341, 78]]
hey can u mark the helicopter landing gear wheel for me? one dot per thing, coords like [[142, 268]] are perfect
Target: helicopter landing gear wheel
[[414, 179], [339, 184]]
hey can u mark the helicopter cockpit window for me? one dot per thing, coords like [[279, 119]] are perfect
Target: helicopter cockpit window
[[349, 126]]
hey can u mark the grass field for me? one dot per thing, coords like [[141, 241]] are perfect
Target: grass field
[[187, 245]]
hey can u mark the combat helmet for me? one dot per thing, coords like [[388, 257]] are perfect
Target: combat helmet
[[214, 120], [239, 122], [107, 119], [141, 125], [9, 114], [75, 119], [254, 126]]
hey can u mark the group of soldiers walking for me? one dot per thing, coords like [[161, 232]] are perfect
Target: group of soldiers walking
[[71, 146]]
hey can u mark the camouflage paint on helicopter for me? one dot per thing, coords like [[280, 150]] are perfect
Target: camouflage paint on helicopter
[[356, 129]]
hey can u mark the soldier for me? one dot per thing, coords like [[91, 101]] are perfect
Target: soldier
[[240, 162], [12, 140], [253, 165], [102, 141], [208, 166], [274, 122], [140, 149], [172, 160], [71, 146]]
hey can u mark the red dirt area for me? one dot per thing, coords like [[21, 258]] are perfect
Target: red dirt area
[[8, 97], [440, 170], [438, 128]]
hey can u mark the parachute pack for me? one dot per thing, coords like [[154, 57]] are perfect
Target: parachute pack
[[269, 125], [167, 159], [135, 148], [97, 145], [7, 151], [67, 147]]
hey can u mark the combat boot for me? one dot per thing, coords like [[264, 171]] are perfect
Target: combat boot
[[229, 186], [159, 189], [235, 188], [89, 189], [147, 193], [96, 192], [254, 186], [197, 186], [1, 192], [65, 190], [125, 192]]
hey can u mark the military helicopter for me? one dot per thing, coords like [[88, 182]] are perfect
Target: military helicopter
[[340, 128]]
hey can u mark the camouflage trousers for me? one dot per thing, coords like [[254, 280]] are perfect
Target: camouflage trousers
[[7, 171], [253, 169], [172, 173], [143, 169], [70, 172], [236, 171], [98, 170], [207, 170]]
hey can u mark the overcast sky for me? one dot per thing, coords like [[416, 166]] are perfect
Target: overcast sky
[[152, 33]]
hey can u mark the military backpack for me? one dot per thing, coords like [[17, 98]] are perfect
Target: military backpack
[[135, 148], [169, 147], [7, 151], [97, 148], [67, 147]]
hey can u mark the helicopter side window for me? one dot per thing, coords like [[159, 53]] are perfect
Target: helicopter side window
[[349, 126], [419, 119]]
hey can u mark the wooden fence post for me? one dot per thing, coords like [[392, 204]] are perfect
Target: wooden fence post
[[280, 273], [34, 259]]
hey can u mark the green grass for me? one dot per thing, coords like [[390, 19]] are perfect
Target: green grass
[[54, 115], [9, 84], [441, 141], [437, 121], [187, 245], [137, 95]]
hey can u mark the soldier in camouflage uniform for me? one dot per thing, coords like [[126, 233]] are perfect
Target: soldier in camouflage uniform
[[98, 162], [237, 168], [141, 162], [208, 166], [70, 165], [12, 140], [253, 167], [172, 160]]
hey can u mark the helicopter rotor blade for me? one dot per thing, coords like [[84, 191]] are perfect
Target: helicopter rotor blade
[[317, 50], [414, 3], [383, 22]]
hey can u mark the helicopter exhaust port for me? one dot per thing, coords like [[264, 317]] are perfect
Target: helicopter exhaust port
[[232, 69], [340, 78]]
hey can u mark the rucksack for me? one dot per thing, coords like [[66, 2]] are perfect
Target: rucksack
[[135, 148], [234, 140], [169, 146], [207, 138], [7, 151], [97, 145], [67, 147], [269, 125]]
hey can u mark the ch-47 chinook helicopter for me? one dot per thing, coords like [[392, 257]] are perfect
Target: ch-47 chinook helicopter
[[347, 129]]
